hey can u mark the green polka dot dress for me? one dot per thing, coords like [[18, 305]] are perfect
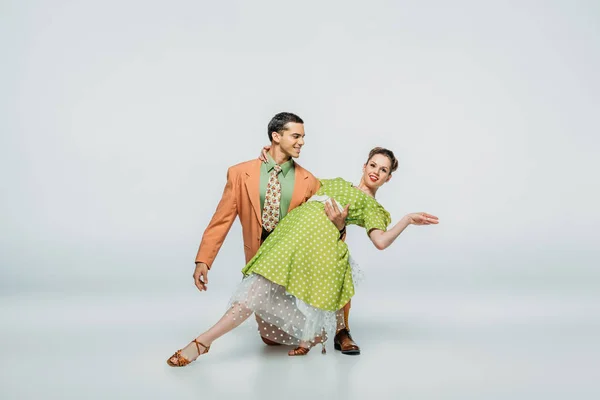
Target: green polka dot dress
[[304, 254]]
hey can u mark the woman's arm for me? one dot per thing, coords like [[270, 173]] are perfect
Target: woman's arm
[[382, 239]]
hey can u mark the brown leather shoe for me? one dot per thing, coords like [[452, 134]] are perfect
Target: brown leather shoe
[[344, 343], [270, 342]]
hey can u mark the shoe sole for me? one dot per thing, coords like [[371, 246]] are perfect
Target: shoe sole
[[347, 352]]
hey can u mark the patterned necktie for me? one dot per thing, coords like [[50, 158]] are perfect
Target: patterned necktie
[[270, 214]]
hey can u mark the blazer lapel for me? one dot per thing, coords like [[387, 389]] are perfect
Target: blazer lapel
[[253, 188], [300, 187]]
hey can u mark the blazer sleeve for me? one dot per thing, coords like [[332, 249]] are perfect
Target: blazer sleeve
[[218, 227]]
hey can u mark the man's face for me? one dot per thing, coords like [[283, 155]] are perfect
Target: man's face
[[291, 139]]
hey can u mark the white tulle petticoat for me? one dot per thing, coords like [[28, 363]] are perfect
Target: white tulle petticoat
[[285, 318]]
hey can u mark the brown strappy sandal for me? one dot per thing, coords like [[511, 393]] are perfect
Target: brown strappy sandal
[[181, 361], [299, 351], [302, 351]]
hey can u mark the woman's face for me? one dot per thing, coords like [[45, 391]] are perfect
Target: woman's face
[[376, 171]]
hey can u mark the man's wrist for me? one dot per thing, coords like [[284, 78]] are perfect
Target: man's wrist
[[202, 262]]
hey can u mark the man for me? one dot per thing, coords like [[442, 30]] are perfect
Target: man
[[260, 194]]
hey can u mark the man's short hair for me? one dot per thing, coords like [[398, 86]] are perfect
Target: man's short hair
[[279, 121]]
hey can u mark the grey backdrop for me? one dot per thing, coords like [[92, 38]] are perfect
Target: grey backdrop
[[118, 120]]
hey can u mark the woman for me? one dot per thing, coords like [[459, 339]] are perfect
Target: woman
[[302, 274]]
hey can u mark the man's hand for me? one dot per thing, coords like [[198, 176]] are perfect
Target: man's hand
[[263, 154], [338, 218], [201, 276]]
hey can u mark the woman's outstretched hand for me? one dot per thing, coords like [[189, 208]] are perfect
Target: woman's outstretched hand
[[422, 219], [382, 239]]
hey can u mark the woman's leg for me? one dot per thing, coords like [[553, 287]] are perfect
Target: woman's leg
[[237, 314]]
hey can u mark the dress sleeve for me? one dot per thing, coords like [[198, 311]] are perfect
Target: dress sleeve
[[376, 217], [324, 182]]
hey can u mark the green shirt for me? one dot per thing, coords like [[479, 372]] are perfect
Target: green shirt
[[286, 179]]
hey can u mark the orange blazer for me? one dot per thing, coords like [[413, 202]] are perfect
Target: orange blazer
[[241, 198]]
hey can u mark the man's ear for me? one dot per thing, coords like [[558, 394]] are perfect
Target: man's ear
[[276, 137]]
